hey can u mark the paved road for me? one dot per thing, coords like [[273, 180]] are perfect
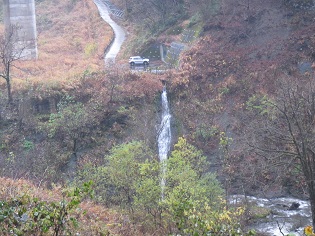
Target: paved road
[[120, 34]]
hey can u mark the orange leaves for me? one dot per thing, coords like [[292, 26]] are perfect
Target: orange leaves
[[11, 188], [61, 43], [146, 85]]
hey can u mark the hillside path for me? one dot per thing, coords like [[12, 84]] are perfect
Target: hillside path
[[119, 32]]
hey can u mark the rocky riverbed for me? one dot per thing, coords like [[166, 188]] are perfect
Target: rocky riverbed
[[285, 215]]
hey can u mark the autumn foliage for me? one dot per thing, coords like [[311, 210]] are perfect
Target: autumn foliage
[[71, 39]]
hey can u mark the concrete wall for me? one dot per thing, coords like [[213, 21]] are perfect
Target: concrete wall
[[21, 13]]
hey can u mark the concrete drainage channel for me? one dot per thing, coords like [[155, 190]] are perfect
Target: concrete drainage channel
[[105, 8]]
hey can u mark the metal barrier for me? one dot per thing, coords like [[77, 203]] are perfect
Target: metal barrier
[[113, 9]]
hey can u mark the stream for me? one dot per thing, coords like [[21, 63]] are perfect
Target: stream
[[280, 221]]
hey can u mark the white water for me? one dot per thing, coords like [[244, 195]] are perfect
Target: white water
[[164, 136], [281, 221], [289, 221], [118, 31]]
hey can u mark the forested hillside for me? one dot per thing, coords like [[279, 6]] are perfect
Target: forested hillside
[[80, 139]]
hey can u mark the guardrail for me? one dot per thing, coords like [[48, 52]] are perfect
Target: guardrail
[[113, 9]]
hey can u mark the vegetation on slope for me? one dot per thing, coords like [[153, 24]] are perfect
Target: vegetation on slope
[[233, 68], [70, 113], [71, 40], [27, 209]]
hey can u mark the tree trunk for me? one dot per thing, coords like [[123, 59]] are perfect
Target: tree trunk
[[312, 201], [9, 90], [7, 78], [311, 187]]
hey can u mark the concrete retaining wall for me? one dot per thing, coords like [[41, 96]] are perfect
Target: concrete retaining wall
[[21, 13]]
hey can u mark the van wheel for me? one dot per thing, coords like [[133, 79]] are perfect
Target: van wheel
[[145, 63], [132, 63]]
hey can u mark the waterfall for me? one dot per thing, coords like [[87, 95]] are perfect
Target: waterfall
[[164, 136]]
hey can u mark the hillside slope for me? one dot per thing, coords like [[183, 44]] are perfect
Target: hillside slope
[[245, 50], [71, 39], [68, 114]]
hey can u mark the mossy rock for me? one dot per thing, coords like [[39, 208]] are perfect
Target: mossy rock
[[257, 212]]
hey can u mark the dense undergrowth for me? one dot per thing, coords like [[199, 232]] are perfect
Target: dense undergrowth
[[73, 121], [233, 68]]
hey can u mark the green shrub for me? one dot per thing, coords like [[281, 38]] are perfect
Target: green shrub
[[27, 215], [28, 145], [204, 132], [190, 202], [260, 104], [90, 49]]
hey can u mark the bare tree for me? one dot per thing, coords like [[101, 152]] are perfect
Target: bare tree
[[10, 51], [288, 131]]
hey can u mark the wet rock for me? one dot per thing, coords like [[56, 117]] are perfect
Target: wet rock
[[294, 206], [281, 205]]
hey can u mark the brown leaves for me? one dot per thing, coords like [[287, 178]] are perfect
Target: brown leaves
[[61, 48]]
